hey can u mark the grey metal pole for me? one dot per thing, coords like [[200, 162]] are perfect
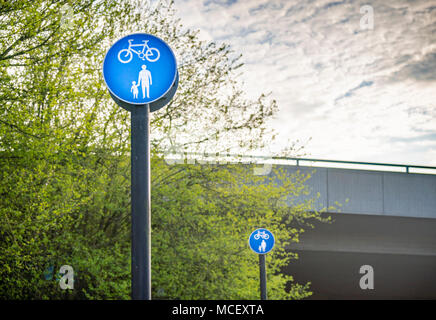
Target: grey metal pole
[[262, 268], [140, 202]]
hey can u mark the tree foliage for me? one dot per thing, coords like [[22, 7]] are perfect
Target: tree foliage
[[65, 167]]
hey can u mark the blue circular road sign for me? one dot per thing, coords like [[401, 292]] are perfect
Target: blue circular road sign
[[139, 69], [261, 241]]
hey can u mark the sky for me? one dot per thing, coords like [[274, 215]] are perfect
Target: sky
[[354, 80]]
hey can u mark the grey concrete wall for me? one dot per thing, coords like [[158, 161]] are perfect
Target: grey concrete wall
[[401, 250], [373, 192]]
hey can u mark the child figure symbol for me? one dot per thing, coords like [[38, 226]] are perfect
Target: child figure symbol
[[134, 89]]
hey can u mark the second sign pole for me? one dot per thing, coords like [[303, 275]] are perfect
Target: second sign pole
[[262, 269]]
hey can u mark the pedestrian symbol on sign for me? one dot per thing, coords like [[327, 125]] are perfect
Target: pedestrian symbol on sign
[[126, 76], [262, 246], [144, 79]]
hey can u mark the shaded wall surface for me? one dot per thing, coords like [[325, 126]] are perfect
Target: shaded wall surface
[[389, 223]]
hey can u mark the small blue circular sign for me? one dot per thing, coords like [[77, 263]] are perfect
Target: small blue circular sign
[[139, 69], [261, 241]]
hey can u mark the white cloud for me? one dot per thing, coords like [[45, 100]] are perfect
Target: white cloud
[[309, 54]]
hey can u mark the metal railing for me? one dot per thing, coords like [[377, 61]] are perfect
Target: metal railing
[[298, 161], [406, 166]]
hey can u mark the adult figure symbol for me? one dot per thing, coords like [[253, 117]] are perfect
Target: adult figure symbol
[[145, 80]]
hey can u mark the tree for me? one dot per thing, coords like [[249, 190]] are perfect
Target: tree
[[57, 129], [65, 172], [201, 223]]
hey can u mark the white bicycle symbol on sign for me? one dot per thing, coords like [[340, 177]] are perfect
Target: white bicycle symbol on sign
[[261, 234], [151, 54]]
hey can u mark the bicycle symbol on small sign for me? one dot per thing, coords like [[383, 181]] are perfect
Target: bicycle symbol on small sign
[[151, 54], [261, 234]]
